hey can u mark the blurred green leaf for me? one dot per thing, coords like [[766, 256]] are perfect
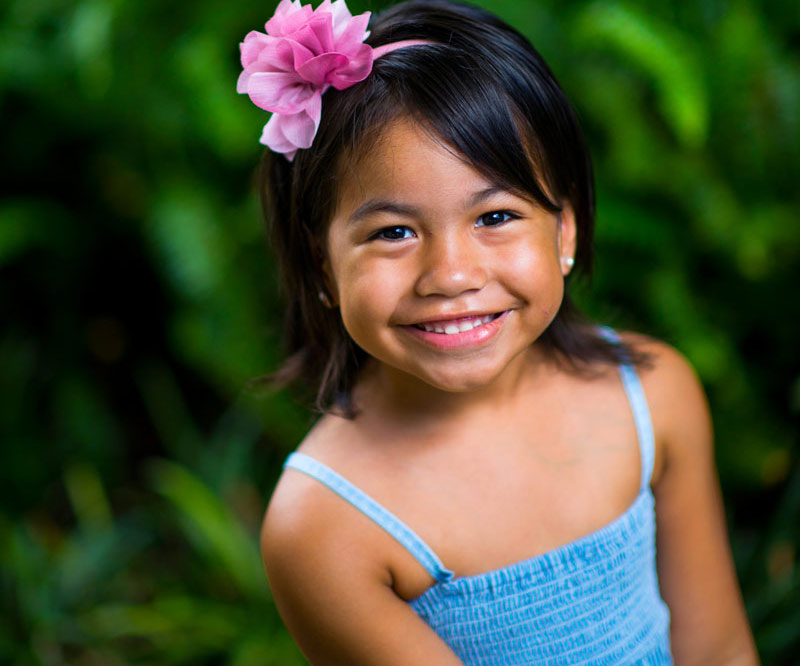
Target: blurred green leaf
[[190, 245], [211, 527], [88, 498], [661, 54]]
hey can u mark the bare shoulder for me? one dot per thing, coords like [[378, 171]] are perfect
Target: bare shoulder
[[306, 523], [696, 574], [668, 372], [315, 558], [331, 578]]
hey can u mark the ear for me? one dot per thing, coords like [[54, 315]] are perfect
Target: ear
[[567, 238], [331, 293]]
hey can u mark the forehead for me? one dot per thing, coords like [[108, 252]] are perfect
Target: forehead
[[406, 160]]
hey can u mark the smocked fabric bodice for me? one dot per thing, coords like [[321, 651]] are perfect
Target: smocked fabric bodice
[[592, 601]]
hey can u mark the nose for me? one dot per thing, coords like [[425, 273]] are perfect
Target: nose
[[451, 264]]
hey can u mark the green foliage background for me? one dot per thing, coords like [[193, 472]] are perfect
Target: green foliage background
[[138, 299]]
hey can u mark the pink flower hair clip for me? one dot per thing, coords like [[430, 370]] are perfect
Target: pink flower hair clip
[[303, 53]]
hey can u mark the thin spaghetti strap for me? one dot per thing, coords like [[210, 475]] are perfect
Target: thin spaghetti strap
[[641, 413], [368, 506]]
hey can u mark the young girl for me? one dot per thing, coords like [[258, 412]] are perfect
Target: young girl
[[494, 480]]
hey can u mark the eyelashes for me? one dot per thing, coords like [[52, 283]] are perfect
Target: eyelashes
[[497, 217], [394, 233], [400, 232]]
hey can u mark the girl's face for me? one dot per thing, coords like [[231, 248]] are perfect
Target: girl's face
[[439, 274]]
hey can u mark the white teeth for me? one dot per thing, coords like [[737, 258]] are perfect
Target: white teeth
[[466, 325]]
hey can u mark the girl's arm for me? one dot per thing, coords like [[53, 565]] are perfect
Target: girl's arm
[[695, 567], [332, 583]]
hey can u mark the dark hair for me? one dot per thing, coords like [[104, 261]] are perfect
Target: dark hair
[[482, 90]]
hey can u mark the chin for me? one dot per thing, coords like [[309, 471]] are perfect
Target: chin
[[458, 382]]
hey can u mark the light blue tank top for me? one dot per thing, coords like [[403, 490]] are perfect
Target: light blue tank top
[[592, 601]]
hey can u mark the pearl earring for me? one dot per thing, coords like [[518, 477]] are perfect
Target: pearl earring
[[324, 299], [569, 262]]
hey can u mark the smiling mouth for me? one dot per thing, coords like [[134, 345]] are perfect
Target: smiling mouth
[[455, 326]]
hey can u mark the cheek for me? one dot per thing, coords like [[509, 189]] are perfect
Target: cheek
[[536, 258], [368, 292], [533, 271]]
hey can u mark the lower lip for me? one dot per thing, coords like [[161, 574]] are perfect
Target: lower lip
[[472, 338]]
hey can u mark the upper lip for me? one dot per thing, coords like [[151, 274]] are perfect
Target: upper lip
[[454, 317]]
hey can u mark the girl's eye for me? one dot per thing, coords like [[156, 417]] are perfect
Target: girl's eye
[[393, 234], [495, 218]]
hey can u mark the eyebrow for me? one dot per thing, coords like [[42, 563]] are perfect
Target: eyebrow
[[382, 206], [388, 206], [487, 193]]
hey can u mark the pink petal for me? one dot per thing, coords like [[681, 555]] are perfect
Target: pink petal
[[352, 35], [324, 7], [317, 70], [289, 16], [273, 138], [299, 129], [242, 82], [322, 25], [357, 69], [254, 42], [285, 133], [309, 36], [314, 111], [340, 13], [279, 92], [287, 55]]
